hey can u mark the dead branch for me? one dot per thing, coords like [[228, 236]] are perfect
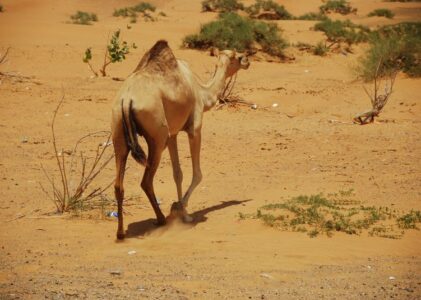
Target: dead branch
[[378, 102], [226, 97], [64, 196]]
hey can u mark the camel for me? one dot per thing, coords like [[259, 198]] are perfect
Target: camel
[[161, 98]]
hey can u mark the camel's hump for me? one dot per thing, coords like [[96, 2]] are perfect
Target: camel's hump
[[159, 58]]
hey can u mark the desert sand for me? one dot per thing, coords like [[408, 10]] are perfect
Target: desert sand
[[305, 145]]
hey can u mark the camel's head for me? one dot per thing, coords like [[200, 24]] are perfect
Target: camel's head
[[234, 61]]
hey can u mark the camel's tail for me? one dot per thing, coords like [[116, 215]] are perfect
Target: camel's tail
[[130, 134]]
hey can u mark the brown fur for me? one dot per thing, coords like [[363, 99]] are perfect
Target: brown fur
[[158, 59]]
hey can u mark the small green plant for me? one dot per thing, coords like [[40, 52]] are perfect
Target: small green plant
[[382, 12], [397, 46], [338, 6], [317, 214], [343, 31], [116, 52], [232, 31], [321, 49], [143, 8], [268, 10], [221, 6], [312, 17], [84, 18]]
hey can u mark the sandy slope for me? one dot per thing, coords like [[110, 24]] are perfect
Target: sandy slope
[[306, 145]]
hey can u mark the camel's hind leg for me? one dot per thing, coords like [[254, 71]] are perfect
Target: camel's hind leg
[[154, 157], [195, 144], [175, 162], [121, 152]]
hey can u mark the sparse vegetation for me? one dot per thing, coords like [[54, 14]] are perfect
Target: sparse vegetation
[[221, 5], [321, 49], [116, 52], [343, 31], [268, 10], [318, 214], [337, 6], [143, 8], [232, 31], [312, 17], [72, 193], [382, 12], [83, 18], [398, 47]]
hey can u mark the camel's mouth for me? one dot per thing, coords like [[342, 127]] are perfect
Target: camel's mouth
[[244, 62]]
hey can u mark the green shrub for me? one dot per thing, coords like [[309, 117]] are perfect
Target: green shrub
[[144, 8], [221, 5], [321, 49], [338, 6], [232, 31], [312, 17], [398, 47], [84, 18], [382, 12], [343, 31], [269, 10]]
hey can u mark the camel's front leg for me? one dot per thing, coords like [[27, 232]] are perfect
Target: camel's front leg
[[195, 142]]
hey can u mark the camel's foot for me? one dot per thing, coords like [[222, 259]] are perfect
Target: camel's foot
[[120, 236], [177, 209], [160, 221]]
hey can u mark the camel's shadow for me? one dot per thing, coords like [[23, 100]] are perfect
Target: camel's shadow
[[144, 227]]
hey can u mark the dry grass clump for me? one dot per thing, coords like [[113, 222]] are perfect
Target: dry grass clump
[[73, 191], [268, 10], [382, 12], [221, 5], [337, 6]]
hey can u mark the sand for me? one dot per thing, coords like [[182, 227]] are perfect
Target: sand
[[306, 145]]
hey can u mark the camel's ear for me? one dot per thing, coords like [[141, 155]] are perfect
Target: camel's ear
[[214, 51]]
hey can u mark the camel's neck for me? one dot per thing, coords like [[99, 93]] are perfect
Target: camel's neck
[[213, 88]]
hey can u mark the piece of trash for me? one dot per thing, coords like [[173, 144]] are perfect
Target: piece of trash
[[112, 214], [254, 106], [266, 275], [368, 267], [275, 105], [141, 288], [131, 252], [158, 200], [306, 71], [24, 140], [104, 144], [115, 272], [392, 278], [66, 115]]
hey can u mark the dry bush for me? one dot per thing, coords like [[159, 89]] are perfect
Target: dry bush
[[73, 192], [378, 101]]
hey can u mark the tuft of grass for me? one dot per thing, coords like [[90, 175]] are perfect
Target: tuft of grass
[[83, 18], [312, 16], [317, 215], [382, 12], [338, 6], [232, 31], [143, 8], [221, 6], [268, 10], [398, 47], [321, 49], [343, 31]]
